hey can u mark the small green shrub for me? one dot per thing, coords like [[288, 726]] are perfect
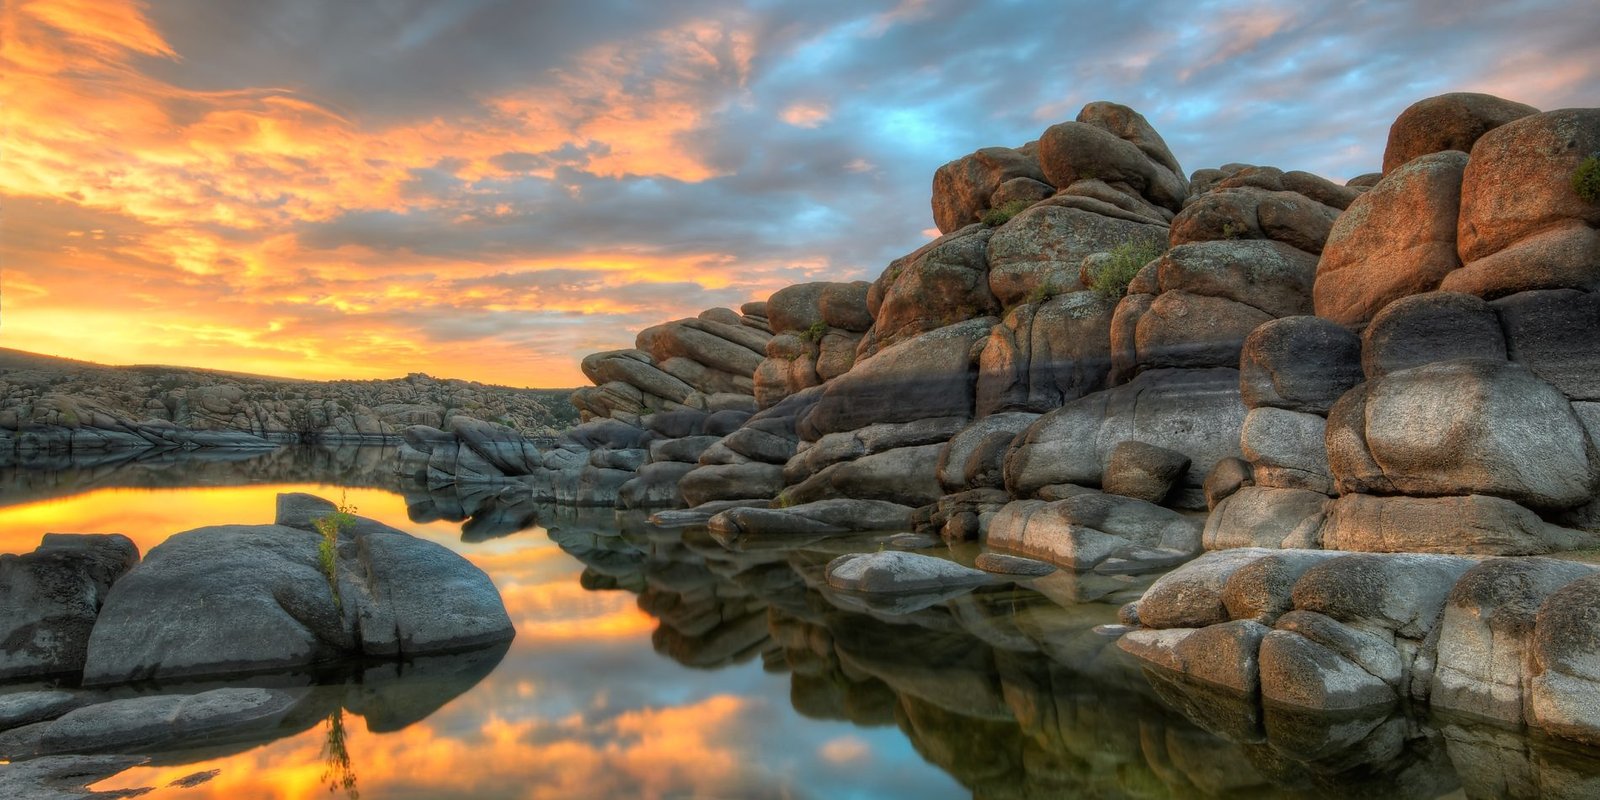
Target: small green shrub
[[815, 332], [1231, 231], [1586, 179], [328, 549], [1126, 261], [1041, 293], [996, 217]]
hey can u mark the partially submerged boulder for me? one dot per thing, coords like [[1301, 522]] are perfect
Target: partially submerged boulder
[[51, 597], [895, 571], [237, 599]]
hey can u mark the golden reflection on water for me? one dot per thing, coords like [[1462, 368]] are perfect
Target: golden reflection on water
[[692, 748]]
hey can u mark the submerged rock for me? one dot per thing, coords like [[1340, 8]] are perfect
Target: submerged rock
[[896, 571]]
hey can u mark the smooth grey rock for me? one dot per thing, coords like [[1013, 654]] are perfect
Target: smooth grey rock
[[928, 376], [975, 457], [1193, 412], [1299, 363], [1552, 332], [905, 475], [1143, 471], [1376, 654], [1287, 449], [900, 572], [24, 708], [1003, 564], [1299, 673], [50, 599], [1261, 589], [1269, 276], [1046, 351], [1430, 327], [1463, 427], [1485, 643], [157, 721], [1228, 476], [821, 517], [1086, 529], [731, 482], [236, 599], [1225, 655], [1191, 596], [1471, 524], [1400, 592], [1260, 516]]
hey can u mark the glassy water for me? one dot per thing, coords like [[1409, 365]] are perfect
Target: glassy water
[[664, 664]]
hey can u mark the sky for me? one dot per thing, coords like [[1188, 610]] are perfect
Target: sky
[[490, 189]]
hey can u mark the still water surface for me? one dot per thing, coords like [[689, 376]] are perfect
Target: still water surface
[[661, 664]]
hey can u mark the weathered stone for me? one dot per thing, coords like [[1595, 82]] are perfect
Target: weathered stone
[[1473, 524], [1086, 529], [1194, 412], [1403, 592], [25, 708], [1070, 151], [822, 517], [1129, 125], [1042, 249], [975, 457], [1564, 256], [899, 572], [1553, 334], [177, 614], [1191, 596], [1429, 327], [142, 723], [1396, 240], [1287, 449], [1270, 276], [1259, 516], [731, 482], [1225, 655], [1192, 330], [693, 340], [1299, 673], [51, 597], [1469, 427], [1024, 191], [1485, 661], [1261, 589], [636, 368], [1044, 354], [1228, 476], [944, 282], [1519, 181], [930, 375], [1562, 696], [1143, 471], [1248, 212], [654, 485], [962, 188], [905, 475], [1451, 121], [1003, 564], [1299, 363]]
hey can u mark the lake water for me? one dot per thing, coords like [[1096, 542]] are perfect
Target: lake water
[[663, 664]]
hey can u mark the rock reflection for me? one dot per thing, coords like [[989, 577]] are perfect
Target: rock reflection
[[47, 476], [1014, 693]]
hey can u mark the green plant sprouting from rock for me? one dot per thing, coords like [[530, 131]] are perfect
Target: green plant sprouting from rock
[[1586, 179], [1126, 260], [815, 332], [996, 217], [328, 549]]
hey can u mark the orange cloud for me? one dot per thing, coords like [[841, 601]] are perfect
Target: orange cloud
[[215, 187]]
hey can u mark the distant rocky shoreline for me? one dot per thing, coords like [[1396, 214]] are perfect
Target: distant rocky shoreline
[[57, 406]]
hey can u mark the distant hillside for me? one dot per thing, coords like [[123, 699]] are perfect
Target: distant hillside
[[45, 391]]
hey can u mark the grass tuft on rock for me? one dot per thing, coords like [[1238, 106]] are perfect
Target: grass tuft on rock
[[328, 549], [815, 332], [1586, 179], [996, 217], [1126, 260]]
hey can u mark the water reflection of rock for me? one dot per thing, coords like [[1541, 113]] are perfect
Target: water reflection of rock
[[389, 696], [1015, 693], [42, 477]]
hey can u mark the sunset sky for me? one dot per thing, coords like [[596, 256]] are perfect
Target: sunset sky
[[490, 189]]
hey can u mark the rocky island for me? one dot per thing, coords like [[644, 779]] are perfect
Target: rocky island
[[1359, 423]]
